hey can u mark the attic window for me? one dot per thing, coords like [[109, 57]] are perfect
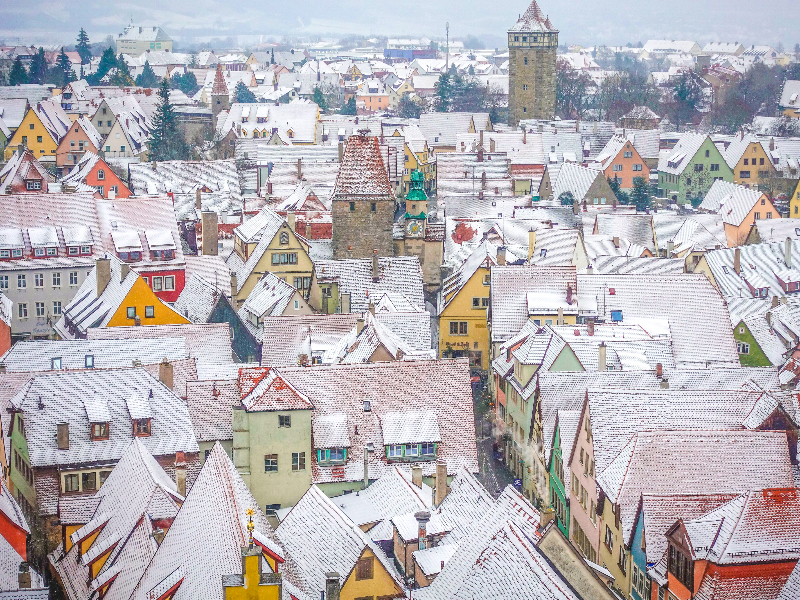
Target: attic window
[[88, 361], [367, 406], [141, 427], [99, 431], [332, 456], [55, 363]]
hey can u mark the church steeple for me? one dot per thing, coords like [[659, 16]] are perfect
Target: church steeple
[[220, 98]]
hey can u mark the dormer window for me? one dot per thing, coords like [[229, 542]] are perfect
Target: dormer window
[[73, 250], [38, 251], [33, 185], [99, 431], [332, 456], [141, 427], [86, 249], [163, 254]]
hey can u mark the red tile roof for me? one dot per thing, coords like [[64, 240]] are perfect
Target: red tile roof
[[362, 172]]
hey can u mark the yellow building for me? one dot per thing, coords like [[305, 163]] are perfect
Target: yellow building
[[750, 161], [268, 243], [113, 295], [794, 202], [40, 131], [464, 301]]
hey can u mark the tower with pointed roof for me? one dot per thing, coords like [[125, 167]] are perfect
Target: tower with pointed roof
[[220, 98], [532, 44]]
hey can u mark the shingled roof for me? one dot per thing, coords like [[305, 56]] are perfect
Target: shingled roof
[[362, 172], [533, 19]]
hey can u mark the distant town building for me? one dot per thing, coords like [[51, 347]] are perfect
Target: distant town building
[[532, 44], [137, 39]]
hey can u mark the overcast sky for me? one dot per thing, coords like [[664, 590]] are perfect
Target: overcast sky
[[583, 22]]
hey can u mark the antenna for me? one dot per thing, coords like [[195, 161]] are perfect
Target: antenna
[[447, 56]]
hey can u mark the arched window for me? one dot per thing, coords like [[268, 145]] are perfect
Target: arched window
[[101, 174], [284, 238]]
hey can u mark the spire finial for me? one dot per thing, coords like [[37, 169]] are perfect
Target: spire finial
[[250, 525]]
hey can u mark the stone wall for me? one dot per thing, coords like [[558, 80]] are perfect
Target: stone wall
[[356, 234], [532, 86]]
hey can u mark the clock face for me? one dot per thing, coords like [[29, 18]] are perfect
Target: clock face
[[414, 227]]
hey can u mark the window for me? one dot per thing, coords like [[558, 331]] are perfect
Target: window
[[169, 283], [56, 279], [88, 481], [428, 449], [714, 167], [73, 278], [769, 214], [746, 163], [757, 215], [99, 431], [394, 451], [336, 455], [352, 207], [158, 284], [744, 174], [743, 347], [298, 461], [39, 139], [623, 559], [33, 184], [708, 153], [38, 280], [526, 60], [103, 476], [270, 463], [71, 483], [131, 312], [609, 541], [22, 310], [617, 168], [88, 361], [56, 308], [40, 309], [284, 420], [373, 207], [458, 328], [627, 154], [284, 238], [641, 583], [21, 282], [681, 566], [38, 252], [3, 282], [637, 167], [55, 363], [86, 249], [365, 568], [141, 427], [149, 312], [412, 450]]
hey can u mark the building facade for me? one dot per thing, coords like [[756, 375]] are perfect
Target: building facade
[[532, 44]]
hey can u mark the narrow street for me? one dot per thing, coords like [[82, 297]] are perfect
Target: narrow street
[[493, 474]]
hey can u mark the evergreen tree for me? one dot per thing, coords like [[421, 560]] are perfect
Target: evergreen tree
[[83, 47], [443, 93], [37, 71], [640, 194], [319, 99], [122, 75], [147, 78], [622, 197], [242, 94], [18, 73], [166, 139], [272, 57], [349, 107], [187, 83], [107, 62], [64, 69], [408, 109]]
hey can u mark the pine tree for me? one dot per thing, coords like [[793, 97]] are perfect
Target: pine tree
[[148, 77], [408, 109], [83, 47], [319, 99], [38, 67], [349, 107], [242, 94], [443, 92], [107, 62], [166, 139], [640, 195], [122, 75], [64, 68], [18, 73]]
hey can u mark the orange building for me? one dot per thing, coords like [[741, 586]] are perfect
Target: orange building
[[92, 172], [620, 160], [82, 137]]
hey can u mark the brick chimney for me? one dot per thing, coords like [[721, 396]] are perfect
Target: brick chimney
[[601, 357], [359, 325], [787, 252], [569, 294], [376, 270], [441, 481], [659, 370], [103, 273], [290, 220], [416, 475], [198, 199], [737, 260], [210, 231], [180, 473], [590, 326], [166, 373]]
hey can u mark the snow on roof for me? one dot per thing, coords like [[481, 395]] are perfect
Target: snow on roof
[[410, 427], [575, 179], [272, 392], [790, 96], [675, 160], [269, 297], [731, 201], [362, 171], [431, 561], [532, 20]]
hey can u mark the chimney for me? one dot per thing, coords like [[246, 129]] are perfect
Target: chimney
[[664, 383], [234, 290], [560, 319], [569, 294], [491, 145], [111, 193], [345, 307], [103, 274], [332, 588], [290, 220], [659, 370], [124, 269], [359, 325], [501, 256], [165, 373], [366, 468], [590, 326], [422, 517], [670, 248], [137, 320], [601, 357], [775, 301], [180, 473], [441, 481], [376, 269], [299, 168], [24, 576], [416, 475], [341, 150], [524, 136], [62, 436], [771, 144], [616, 242], [371, 307], [737, 261], [531, 243], [480, 154], [481, 138], [787, 252], [210, 231], [768, 316], [197, 199]]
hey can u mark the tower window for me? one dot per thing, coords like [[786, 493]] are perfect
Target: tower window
[[352, 207], [524, 109], [526, 60]]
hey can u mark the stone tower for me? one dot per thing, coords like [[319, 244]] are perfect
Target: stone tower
[[220, 100], [532, 44], [363, 203]]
